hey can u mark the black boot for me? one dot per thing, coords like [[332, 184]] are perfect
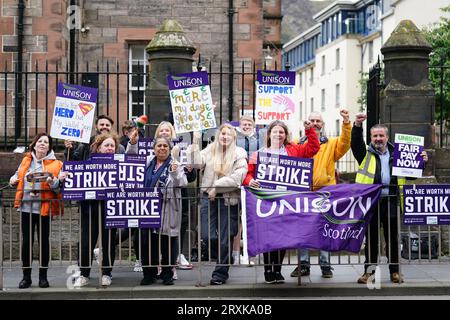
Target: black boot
[[149, 277], [43, 282], [26, 281]]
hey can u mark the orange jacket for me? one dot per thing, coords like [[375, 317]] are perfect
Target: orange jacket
[[47, 195]]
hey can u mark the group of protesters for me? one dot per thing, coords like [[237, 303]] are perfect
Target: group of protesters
[[226, 163]]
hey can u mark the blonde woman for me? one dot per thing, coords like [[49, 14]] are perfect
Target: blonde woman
[[224, 168], [165, 129]]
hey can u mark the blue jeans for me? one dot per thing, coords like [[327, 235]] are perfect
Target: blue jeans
[[324, 258], [222, 227]]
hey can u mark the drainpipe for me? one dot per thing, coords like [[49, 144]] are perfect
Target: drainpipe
[[72, 46], [231, 13], [19, 69]]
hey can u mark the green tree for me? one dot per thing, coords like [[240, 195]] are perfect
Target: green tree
[[439, 38]]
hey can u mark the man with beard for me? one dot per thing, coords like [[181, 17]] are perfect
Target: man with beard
[[375, 167], [331, 150], [103, 123]]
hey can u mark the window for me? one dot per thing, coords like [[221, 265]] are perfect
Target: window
[[312, 105], [338, 128], [339, 24], [322, 103], [370, 51], [300, 82], [311, 76], [323, 65], [338, 95], [338, 59], [138, 80]]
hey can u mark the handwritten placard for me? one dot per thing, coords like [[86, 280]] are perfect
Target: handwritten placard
[[74, 111], [275, 96], [191, 101]]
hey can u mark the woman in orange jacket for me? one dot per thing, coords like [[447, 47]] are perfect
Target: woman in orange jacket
[[37, 198]]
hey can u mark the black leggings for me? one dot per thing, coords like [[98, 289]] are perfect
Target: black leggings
[[30, 222], [89, 234], [273, 260], [151, 251]]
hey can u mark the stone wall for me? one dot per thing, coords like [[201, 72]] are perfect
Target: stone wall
[[45, 40]]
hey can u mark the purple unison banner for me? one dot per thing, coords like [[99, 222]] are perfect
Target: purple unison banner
[[334, 218], [88, 180], [426, 204], [145, 148], [133, 208], [279, 172], [131, 169]]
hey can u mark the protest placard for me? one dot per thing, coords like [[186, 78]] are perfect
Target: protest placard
[[279, 172], [133, 208], [407, 160], [145, 148], [74, 111], [426, 204], [88, 180], [131, 169], [276, 99], [191, 101]]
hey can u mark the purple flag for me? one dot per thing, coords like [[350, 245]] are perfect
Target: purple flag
[[274, 171], [426, 204], [334, 218], [133, 208]]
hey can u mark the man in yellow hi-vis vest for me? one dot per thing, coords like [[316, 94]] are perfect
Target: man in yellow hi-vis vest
[[375, 166]]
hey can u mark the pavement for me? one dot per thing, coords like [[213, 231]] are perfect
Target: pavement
[[422, 278]]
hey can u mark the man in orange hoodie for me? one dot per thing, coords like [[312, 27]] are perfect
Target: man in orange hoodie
[[331, 150]]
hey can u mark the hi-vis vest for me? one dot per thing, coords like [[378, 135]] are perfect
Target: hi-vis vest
[[366, 174]]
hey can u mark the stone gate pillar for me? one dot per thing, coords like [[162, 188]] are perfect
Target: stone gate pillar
[[170, 52], [407, 101]]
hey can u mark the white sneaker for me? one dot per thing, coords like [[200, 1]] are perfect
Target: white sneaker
[[96, 255], [175, 276], [106, 281], [182, 263], [236, 260], [81, 281], [137, 266], [246, 261]]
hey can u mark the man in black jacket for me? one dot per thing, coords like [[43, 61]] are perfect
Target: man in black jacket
[[375, 167], [81, 151]]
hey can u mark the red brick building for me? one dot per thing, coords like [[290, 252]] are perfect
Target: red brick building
[[107, 34]]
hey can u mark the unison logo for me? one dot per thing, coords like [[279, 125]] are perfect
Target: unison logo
[[274, 78], [348, 210], [186, 82], [76, 93]]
